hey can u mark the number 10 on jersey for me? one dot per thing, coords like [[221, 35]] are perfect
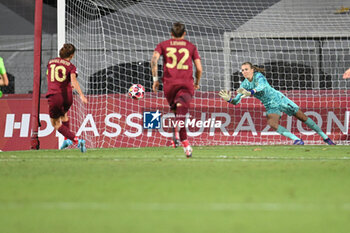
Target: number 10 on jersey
[[55, 73]]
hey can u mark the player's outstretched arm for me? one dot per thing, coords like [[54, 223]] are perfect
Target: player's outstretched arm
[[76, 86], [346, 75], [154, 68]]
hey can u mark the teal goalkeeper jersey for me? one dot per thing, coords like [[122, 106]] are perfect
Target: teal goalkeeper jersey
[[2, 66], [264, 92]]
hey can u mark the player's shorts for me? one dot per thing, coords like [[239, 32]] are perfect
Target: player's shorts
[[284, 105], [178, 94], [59, 104]]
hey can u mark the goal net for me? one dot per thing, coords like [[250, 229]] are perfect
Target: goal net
[[303, 45]]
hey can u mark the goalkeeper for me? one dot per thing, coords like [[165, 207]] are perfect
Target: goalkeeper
[[255, 84]]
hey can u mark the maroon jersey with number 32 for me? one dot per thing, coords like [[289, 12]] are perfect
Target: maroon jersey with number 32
[[59, 76], [178, 55]]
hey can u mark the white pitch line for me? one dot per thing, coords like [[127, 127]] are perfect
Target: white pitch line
[[219, 158], [222, 157], [177, 206]]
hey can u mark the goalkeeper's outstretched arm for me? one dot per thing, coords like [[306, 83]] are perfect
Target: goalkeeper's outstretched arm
[[227, 96]]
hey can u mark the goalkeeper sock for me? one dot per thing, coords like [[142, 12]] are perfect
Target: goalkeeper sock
[[312, 125], [285, 132]]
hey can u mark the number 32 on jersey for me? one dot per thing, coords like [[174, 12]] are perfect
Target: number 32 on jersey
[[180, 65]]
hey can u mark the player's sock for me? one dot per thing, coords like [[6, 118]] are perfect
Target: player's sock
[[66, 132], [312, 125], [285, 132], [183, 134], [181, 112], [66, 123]]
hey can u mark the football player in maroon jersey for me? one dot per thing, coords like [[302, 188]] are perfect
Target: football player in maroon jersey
[[178, 83], [61, 79]]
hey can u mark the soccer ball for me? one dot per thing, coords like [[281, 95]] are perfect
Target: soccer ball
[[136, 91]]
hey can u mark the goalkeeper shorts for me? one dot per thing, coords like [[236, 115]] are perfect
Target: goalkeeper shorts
[[285, 105]]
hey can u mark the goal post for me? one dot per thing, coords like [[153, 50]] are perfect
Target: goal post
[[61, 38], [61, 23], [35, 118], [303, 46]]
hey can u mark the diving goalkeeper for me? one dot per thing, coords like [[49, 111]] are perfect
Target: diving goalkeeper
[[255, 84]]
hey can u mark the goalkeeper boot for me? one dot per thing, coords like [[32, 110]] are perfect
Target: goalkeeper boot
[[188, 151], [329, 142], [66, 143], [81, 145], [298, 142]]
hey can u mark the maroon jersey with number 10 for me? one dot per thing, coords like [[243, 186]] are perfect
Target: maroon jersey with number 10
[[58, 76], [178, 55]]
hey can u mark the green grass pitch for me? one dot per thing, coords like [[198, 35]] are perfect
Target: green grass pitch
[[157, 190]]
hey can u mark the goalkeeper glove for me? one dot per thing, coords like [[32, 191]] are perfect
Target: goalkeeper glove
[[244, 92], [226, 95]]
